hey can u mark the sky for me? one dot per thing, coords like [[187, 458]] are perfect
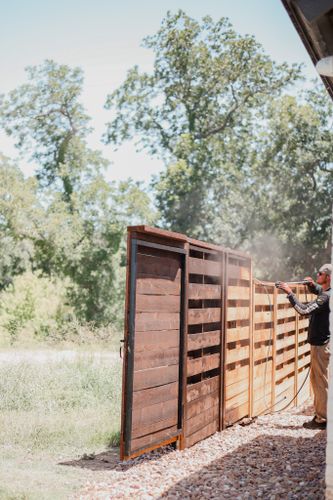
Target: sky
[[104, 38]]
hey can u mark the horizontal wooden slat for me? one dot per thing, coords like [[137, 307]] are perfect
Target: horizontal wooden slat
[[203, 388], [154, 427], [159, 357], [236, 374], [262, 352], [238, 272], [156, 340], [152, 438], [264, 334], [202, 419], [147, 415], [201, 340], [262, 299], [148, 284], [263, 316], [156, 321], [237, 334], [155, 377], [203, 433], [232, 415], [286, 327], [285, 356], [238, 293], [236, 354], [201, 291], [155, 395], [203, 364], [202, 404], [208, 315], [286, 313], [160, 303], [166, 265], [205, 267], [237, 400], [236, 313], [237, 388]]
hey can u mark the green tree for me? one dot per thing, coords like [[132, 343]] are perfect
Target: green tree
[[205, 92], [293, 178], [20, 213], [49, 123]]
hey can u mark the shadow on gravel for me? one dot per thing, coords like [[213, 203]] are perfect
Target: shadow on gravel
[[109, 460], [269, 467]]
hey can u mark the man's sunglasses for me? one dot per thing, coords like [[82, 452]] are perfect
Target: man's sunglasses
[[320, 273]]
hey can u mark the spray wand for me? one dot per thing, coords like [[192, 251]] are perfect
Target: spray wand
[[303, 282]]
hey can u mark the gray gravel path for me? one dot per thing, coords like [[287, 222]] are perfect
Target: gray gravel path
[[272, 458]]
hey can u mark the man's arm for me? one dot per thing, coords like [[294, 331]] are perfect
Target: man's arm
[[312, 286], [310, 307]]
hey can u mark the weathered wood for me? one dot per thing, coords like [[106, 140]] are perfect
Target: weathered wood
[[236, 388], [204, 267], [237, 334], [154, 377], [203, 433], [203, 291], [159, 425], [155, 437], [234, 374], [203, 388], [202, 419], [233, 415], [167, 266], [151, 359], [154, 395], [208, 315], [238, 272], [235, 313], [202, 340], [162, 303], [153, 414], [156, 321], [237, 354], [156, 340], [148, 284], [203, 364], [202, 404], [238, 292]]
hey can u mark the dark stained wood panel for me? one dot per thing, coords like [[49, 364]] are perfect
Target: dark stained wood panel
[[203, 433], [202, 404], [202, 419], [156, 340], [154, 377], [156, 321], [204, 267], [148, 284], [152, 414], [162, 303], [154, 395], [154, 437], [167, 266], [209, 315], [159, 357]]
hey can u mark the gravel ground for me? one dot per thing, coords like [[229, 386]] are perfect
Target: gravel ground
[[272, 458]]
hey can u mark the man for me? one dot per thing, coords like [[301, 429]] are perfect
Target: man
[[318, 337]]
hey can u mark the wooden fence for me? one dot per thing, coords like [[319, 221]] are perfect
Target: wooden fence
[[205, 344]]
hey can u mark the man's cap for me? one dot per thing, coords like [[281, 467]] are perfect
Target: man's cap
[[326, 268]]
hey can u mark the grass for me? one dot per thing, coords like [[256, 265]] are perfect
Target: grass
[[50, 412]]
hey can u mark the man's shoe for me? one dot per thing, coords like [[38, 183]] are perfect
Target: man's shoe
[[313, 424]]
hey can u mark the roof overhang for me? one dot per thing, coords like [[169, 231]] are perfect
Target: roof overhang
[[313, 20]]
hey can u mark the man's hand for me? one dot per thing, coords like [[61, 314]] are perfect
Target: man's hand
[[283, 286], [309, 280]]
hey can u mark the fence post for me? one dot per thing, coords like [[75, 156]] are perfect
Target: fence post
[[274, 341], [251, 357], [296, 349]]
